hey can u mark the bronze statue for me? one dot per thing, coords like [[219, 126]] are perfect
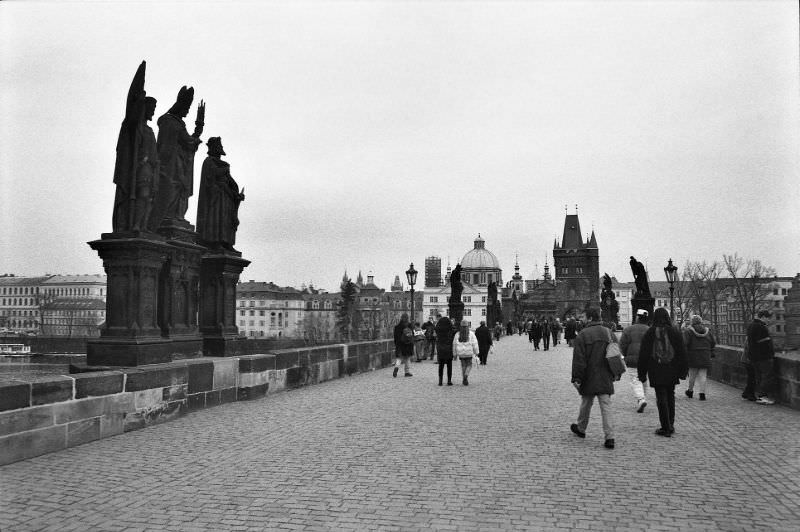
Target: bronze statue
[[137, 160], [609, 306], [176, 149], [640, 278], [456, 286], [218, 204]]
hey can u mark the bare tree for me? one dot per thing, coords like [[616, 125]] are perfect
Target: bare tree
[[704, 287], [682, 296], [750, 281]]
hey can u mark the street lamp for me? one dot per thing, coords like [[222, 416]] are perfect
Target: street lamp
[[671, 272], [411, 277]]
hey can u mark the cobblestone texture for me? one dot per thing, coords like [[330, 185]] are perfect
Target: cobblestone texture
[[370, 452]]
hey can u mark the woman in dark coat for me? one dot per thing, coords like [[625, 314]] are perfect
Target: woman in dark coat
[[444, 348], [662, 360]]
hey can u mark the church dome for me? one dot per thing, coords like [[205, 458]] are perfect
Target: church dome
[[479, 258]]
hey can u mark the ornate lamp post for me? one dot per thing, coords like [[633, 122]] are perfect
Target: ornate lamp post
[[411, 277], [671, 272]]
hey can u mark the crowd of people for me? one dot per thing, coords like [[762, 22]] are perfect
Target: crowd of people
[[655, 352]]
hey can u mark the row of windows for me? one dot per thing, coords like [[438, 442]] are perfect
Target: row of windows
[[22, 301], [478, 278], [20, 313], [263, 303], [20, 290], [465, 299], [565, 271], [782, 291]]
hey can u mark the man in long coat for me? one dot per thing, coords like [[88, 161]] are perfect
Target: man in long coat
[[484, 336]]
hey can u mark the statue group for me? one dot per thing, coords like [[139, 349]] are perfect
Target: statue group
[[171, 289], [154, 178]]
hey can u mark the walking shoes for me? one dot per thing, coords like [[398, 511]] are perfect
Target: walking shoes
[[642, 404]]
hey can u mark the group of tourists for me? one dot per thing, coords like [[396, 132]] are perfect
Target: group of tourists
[[662, 354], [445, 340], [543, 329]]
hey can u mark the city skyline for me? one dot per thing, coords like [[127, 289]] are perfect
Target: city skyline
[[370, 136]]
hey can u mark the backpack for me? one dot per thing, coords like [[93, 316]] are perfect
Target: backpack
[[408, 336], [662, 348]]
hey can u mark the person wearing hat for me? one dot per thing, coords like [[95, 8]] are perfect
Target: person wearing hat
[[465, 346], [699, 350], [629, 344]]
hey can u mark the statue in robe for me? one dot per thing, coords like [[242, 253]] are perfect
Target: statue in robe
[[640, 278], [218, 204], [176, 149], [136, 165]]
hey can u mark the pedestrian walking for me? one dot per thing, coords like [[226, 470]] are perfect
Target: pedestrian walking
[[555, 328], [570, 331], [536, 333], [545, 334], [484, 336], [662, 361], [419, 342], [592, 376], [465, 347], [444, 348], [403, 345], [630, 344], [498, 331], [509, 328], [430, 338], [762, 356], [699, 344]]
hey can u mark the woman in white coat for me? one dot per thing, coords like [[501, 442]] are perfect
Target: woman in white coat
[[465, 346]]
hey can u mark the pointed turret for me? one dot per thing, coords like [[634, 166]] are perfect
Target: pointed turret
[[592, 241]]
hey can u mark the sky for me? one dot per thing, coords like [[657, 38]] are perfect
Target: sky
[[369, 135]]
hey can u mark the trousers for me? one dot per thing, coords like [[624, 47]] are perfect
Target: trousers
[[605, 411], [665, 400], [699, 375]]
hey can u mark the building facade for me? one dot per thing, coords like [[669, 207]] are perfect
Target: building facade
[[20, 304], [433, 272], [266, 310]]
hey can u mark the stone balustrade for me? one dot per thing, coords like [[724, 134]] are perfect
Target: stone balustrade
[[45, 414]]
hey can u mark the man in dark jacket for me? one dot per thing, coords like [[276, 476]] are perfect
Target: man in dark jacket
[[762, 357], [592, 376], [444, 348], [484, 336], [536, 333], [629, 344], [662, 361], [403, 345]]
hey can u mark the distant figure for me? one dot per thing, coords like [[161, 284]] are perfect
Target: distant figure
[[444, 348], [546, 334], [430, 338], [570, 331], [218, 205], [640, 278], [403, 345], [484, 336], [699, 344], [630, 344], [419, 342], [465, 346], [592, 376], [662, 361], [498, 331], [536, 333], [762, 357]]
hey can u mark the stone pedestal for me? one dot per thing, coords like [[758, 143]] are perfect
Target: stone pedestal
[[151, 301], [219, 275], [456, 311], [792, 315], [645, 303]]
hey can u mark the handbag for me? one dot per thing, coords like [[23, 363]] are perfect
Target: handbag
[[614, 358]]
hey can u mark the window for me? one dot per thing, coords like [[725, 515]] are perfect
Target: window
[[777, 328], [241, 323], [272, 319], [475, 278], [262, 303], [328, 304], [489, 278], [483, 311], [783, 291], [280, 319], [467, 312], [261, 313], [252, 323], [434, 299], [483, 299], [564, 271], [262, 323], [467, 299], [315, 304], [252, 312], [777, 303], [775, 292]]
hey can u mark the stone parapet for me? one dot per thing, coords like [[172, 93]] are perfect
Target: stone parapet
[[727, 368], [42, 415]]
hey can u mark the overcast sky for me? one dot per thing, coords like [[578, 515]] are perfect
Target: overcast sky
[[370, 135]]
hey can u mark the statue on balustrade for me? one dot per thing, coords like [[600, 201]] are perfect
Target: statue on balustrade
[[640, 278], [218, 204], [176, 149], [136, 166]]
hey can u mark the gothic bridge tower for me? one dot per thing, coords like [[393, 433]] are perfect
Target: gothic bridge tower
[[577, 268]]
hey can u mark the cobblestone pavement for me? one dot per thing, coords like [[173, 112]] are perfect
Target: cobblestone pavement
[[372, 452]]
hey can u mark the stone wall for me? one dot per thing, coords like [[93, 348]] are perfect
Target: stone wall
[[46, 414], [725, 367]]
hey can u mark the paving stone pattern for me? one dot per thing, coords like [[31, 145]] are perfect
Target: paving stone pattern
[[372, 452]]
